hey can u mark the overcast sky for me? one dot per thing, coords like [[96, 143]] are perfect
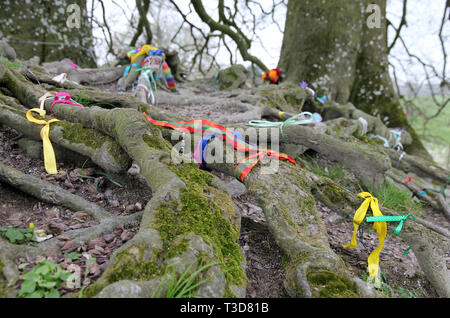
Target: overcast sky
[[423, 17]]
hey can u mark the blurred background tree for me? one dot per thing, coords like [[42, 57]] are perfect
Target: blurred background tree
[[51, 30]]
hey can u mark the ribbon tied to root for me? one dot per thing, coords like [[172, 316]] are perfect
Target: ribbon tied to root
[[49, 155], [391, 218], [381, 228], [209, 127], [306, 118]]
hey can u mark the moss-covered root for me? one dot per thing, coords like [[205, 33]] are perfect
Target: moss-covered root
[[284, 193], [291, 215], [286, 97], [48, 192], [101, 149], [419, 166], [367, 164], [431, 251], [196, 225], [8, 272]]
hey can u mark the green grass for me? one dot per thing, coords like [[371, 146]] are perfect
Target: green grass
[[183, 285], [8, 63], [435, 134], [395, 199], [333, 172]]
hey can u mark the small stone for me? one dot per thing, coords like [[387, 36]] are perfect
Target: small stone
[[138, 206], [114, 203], [126, 235], [52, 214], [51, 256], [95, 253], [96, 242], [56, 227], [92, 190], [130, 208], [80, 215], [69, 247], [108, 237], [68, 184]]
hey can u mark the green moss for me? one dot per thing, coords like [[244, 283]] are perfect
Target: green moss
[[326, 284], [79, 135], [132, 264], [367, 140], [229, 293], [201, 214], [332, 191], [4, 291], [8, 63], [156, 142], [177, 248]]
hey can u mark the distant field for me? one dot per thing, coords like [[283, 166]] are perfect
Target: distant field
[[436, 134]]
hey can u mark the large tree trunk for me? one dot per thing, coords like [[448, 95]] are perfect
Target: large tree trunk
[[49, 30], [333, 46]]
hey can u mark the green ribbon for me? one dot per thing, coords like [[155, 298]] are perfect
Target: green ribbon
[[393, 218], [442, 190], [290, 121]]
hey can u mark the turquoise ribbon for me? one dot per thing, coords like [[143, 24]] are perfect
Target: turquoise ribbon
[[391, 218], [290, 121], [442, 190], [128, 68]]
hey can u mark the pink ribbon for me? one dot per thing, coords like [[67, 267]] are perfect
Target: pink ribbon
[[71, 64], [64, 100]]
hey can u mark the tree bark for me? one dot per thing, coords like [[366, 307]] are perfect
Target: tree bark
[[333, 47]]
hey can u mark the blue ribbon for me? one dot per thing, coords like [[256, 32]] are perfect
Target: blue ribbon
[[128, 68], [205, 141], [157, 52]]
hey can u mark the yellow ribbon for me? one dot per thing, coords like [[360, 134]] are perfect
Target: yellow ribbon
[[280, 115], [144, 50], [49, 155], [381, 228]]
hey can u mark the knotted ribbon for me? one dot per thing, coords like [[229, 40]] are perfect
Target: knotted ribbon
[[49, 154], [290, 121], [209, 127], [393, 218], [63, 98], [381, 228]]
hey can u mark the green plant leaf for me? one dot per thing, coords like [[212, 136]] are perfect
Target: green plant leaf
[[14, 235], [37, 294], [23, 265], [47, 284], [27, 287], [53, 293], [43, 270], [73, 256]]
